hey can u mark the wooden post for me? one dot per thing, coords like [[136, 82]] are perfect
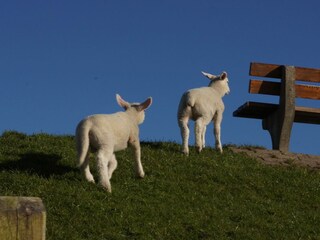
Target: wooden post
[[279, 124], [22, 218]]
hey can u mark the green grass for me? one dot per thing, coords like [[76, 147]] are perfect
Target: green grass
[[206, 196]]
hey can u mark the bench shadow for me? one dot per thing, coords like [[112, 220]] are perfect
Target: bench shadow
[[41, 164]]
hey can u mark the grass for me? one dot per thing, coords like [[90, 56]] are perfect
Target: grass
[[206, 196]]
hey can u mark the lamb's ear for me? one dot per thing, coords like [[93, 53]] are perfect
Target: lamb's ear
[[145, 104], [208, 75], [121, 102], [223, 76]]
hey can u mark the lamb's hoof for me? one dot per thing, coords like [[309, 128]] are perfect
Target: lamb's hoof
[[141, 175], [219, 148], [185, 152], [90, 179], [198, 149], [106, 187]]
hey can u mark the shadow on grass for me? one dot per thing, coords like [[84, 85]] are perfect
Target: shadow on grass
[[170, 146], [44, 165]]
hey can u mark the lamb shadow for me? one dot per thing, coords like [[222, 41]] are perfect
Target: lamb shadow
[[170, 146], [41, 164]]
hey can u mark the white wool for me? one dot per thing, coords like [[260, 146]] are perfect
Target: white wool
[[203, 105], [109, 133]]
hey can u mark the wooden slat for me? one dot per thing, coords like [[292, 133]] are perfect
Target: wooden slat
[[307, 115], [263, 110], [308, 91], [273, 88], [255, 110], [265, 70], [275, 71], [264, 87], [308, 74]]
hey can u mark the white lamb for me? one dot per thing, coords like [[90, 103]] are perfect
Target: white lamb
[[109, 133], [203, 105]]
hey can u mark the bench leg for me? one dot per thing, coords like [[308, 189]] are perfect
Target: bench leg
[[280, 131], [279, 124]]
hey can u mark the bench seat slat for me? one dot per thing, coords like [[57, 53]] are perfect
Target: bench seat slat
[[263, 110], [307, 115], [255, 110]]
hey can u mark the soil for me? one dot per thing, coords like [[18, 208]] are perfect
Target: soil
[[273, 157]]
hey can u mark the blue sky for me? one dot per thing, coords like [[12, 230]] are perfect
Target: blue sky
[[63, 60]]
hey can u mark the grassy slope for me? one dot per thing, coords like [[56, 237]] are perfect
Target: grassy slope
[[206, 196]]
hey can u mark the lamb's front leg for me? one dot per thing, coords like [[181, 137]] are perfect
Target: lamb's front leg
[[137, 152]]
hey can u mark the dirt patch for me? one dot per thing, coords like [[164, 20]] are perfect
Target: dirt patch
[[273, 157]]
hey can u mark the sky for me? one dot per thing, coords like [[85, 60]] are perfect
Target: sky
[[62, 60]]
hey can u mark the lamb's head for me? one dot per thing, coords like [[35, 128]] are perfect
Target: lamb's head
[[135, 109], [220, 82]]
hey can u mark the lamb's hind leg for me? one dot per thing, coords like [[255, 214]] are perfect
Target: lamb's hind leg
[[198, 130], [184, 130], [86, 170], [112, 165], [203, 136], [135, 143], [103, 159], [217, 131]]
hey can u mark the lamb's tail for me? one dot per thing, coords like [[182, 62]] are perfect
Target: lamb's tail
[[186, 103], [82, 142], [190, 101]]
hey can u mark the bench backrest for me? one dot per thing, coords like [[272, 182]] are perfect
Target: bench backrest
[[280, 71]]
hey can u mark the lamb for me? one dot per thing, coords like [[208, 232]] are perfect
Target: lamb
[[105, 134], [203, 105]]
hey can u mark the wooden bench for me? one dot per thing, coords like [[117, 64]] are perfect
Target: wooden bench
[[278, 118]]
